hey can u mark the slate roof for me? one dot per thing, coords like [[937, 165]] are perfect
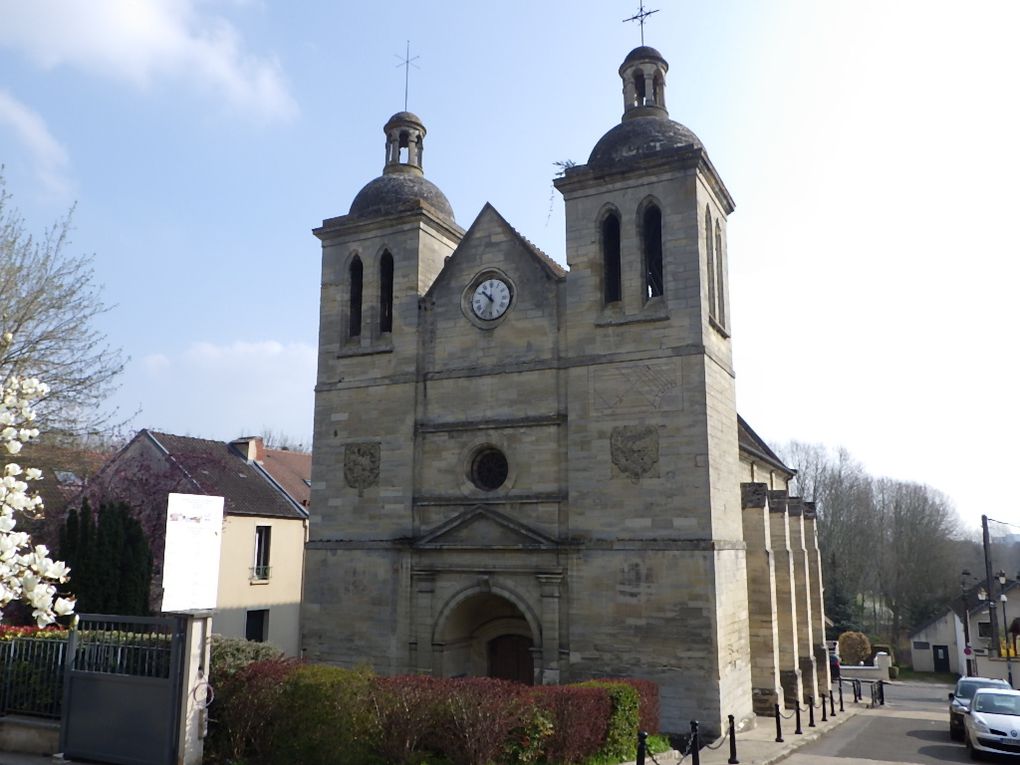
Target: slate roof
[[641, 138], [291, 470], [551, 265], [641, 53], [218, 469], [755, 445], [399, 192]]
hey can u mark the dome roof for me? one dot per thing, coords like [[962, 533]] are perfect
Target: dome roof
[[399, 192], [643, 53], [638, 139], [404, 117]]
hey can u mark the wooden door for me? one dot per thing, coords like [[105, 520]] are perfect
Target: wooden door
[[510, 659]]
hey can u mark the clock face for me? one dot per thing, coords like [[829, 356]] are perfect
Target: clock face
[[491, 299]]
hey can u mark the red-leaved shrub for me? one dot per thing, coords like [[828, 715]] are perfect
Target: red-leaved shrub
[[477, 717], [406, 711], [580, 718], [242, 714]]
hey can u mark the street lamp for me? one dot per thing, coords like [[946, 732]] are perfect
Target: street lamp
[[964, 576], [1001, 576]]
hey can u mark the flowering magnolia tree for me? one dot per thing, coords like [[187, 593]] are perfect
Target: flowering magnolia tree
[[26, 573]]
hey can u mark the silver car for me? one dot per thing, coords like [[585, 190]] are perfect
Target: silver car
[[992, 725], [959, 700]]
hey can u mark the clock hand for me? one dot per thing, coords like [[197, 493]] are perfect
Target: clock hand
[[488, 296]]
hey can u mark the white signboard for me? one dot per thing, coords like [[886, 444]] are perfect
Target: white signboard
[[191, 560]]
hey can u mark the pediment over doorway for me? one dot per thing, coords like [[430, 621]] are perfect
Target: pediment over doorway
[[483, 528]]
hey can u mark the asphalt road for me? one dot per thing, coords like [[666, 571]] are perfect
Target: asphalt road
[[912, 727]]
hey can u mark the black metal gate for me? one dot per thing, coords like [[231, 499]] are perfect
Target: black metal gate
[[122, 691]]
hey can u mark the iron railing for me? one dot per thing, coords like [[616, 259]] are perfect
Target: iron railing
[[259, 573], [32, 676]]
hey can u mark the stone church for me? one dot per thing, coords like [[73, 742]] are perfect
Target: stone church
[[540, 474]]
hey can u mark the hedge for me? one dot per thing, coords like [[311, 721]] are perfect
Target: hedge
[[580, 719], [276, 711]]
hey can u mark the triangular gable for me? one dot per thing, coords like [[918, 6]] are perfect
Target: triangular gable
[[489, 215], [482, 527]]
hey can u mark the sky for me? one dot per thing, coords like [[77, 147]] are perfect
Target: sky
[[870, 147]]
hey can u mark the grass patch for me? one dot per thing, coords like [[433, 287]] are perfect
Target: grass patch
[[945, 678]]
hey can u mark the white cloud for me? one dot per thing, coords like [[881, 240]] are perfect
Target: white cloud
[[218, 390], [48, 154], [143, 41]]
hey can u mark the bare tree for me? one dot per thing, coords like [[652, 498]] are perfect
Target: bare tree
[[889, 545], [49, 301]]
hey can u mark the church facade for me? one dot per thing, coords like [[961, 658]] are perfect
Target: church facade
[[539, 474]]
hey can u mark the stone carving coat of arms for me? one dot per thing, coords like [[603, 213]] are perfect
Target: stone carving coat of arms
[[635, 449], [361, 465]]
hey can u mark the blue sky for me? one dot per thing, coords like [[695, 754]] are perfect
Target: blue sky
[[870, 147]]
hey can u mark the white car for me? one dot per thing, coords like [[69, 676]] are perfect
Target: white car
[[992, 724]]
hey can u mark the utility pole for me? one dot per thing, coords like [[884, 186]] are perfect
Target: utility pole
[[993, 616], [964, 575]]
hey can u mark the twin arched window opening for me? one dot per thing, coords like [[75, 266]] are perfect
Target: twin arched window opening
[[357, 285], [651, 255]]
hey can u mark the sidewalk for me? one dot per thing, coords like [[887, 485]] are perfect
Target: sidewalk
[[757, 746]]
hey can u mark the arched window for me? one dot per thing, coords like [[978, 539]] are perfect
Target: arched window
[[356, 278], [720, 271], [386, 292], [651, 239], [611, 287], [639, 87], [658, 85], [710, 259]]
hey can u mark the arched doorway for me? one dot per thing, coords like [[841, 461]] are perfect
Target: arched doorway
[[486, 635]]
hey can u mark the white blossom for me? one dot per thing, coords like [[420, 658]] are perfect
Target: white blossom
[[26, 573]]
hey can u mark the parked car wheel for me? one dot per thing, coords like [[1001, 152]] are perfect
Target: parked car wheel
[[974, 753]]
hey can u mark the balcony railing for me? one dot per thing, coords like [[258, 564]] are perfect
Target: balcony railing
[[259, 573]]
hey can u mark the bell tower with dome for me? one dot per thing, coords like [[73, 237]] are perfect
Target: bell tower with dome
[[535, 473], [653, 463], [377, 262]]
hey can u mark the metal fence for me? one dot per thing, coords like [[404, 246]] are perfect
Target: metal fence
[[123, 646], [32, 676]]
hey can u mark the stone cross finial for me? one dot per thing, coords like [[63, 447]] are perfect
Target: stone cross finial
[[407, 62], [640, 17]]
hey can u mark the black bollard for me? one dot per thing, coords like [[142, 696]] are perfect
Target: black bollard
[[824, 718], [881, 692], [841, 696], [811, 711], [733, 744], [832, 703], [779, 726], [642, 745], [798, 731], [695, 744]]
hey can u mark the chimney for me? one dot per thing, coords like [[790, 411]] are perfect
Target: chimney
[[252, 448]]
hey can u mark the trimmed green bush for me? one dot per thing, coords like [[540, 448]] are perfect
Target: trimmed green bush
[[322, 717], [621, 734], [227, 655], [648, 709]]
